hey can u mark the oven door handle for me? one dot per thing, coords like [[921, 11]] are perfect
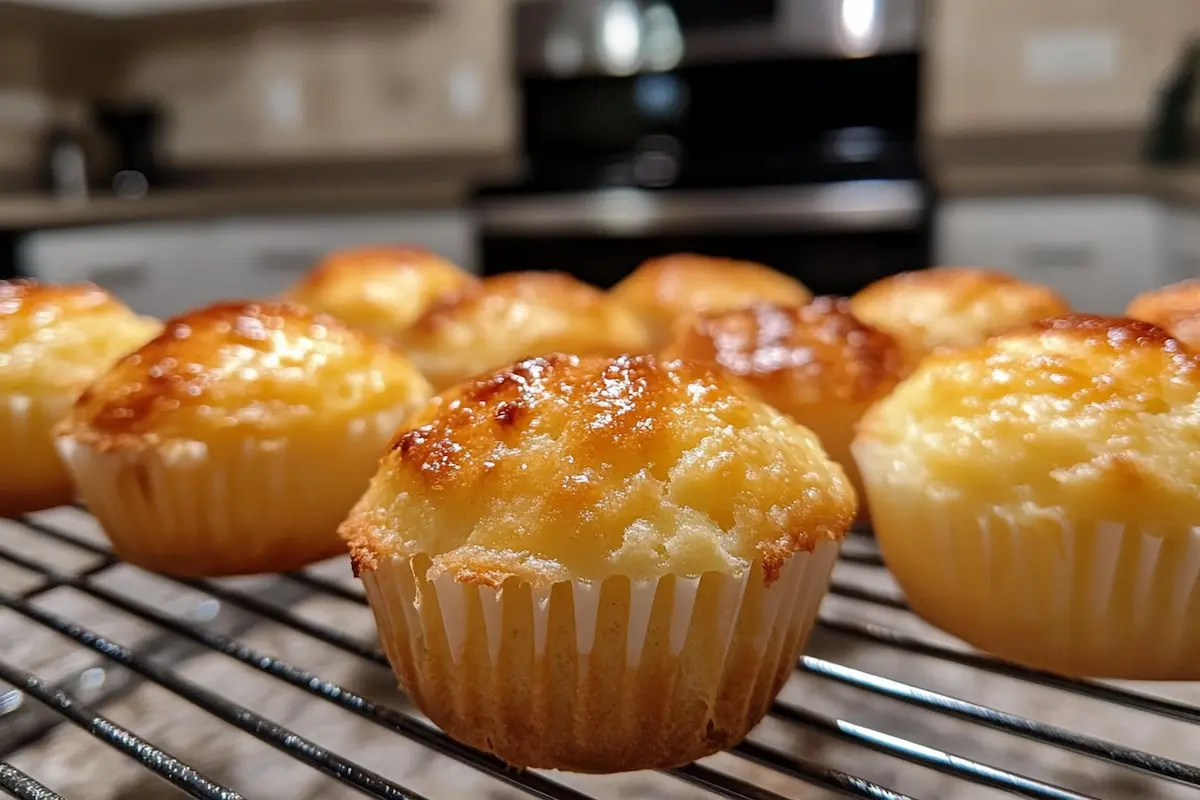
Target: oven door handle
[[876, 205]]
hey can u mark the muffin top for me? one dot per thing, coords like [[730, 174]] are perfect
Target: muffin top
[[1095, 416], [564, 467], [952, 306], [381, 289], [795, 355], [518, 315], [662, 291], [60, 337], [244, 369], [1175, 308]]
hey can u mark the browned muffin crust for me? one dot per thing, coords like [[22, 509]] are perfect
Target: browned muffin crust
[[667, 290], [23, 297], [518, 315], [380, 289], [581, 434], [808, 353], [1175, 308], [952, 306], [251, 365]]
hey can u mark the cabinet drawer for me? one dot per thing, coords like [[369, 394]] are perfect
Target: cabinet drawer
[[1181, 259], [262, 257], [1098, 252], [151, 268]]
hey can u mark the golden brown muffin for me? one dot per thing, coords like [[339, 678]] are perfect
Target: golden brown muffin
[[1037, 496], [816, 363], [1175, 308], [53, 341], [236, 441], [926, 310], [598, 564], [518, 315], [380, 289], [665, 291]]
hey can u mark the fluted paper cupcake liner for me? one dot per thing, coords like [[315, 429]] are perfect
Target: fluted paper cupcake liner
[[248, 505], [597, 676], [32, 476], [1086, 598]]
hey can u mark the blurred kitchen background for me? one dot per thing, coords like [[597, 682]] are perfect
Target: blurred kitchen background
[[179, 151]]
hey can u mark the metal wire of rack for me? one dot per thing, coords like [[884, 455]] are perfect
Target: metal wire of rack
[[144, 663]]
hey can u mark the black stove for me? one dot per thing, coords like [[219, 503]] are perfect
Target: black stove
[[783, 146]]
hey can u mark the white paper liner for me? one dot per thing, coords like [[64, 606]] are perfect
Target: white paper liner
[[269, 497], [784, 604], [1094, 598], [28, 420], [601, 676], [37, 477], [1084, 586]]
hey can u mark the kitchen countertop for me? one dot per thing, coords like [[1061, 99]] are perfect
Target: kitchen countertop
[[29, 211], [77, 765], [34, 211], [316, 185], [1173, 185]]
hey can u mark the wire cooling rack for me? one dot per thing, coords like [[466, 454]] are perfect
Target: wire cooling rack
[[810, 745]]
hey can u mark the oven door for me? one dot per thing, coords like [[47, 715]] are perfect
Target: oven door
[[835, 238]]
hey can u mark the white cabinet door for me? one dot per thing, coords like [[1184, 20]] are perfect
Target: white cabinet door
[[263, 256], [153, 268], [164, 269], [1181, 257], [1099, 252]]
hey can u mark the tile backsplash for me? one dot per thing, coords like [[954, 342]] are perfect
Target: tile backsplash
[[1029, 65]]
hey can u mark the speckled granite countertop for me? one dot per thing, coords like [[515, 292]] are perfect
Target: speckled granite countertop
[[76, 765], [1172, 185], [319, 186], [33, 211]]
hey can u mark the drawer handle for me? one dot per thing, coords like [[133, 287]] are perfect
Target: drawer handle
[[1073, 256], [116, 277], [289, 263]]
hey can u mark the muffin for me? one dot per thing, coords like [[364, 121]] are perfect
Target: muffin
[[1175, 308], [53, 341], [815, 363], [1037, 496], [930, 309], [664, 291], [382, 290], [598, 564], [237, 440], [518, 315]]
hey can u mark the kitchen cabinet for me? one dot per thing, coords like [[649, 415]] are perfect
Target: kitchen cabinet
[[157, 269], [1182, 243], [263, 256], [1099, 252], [166, 268]]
